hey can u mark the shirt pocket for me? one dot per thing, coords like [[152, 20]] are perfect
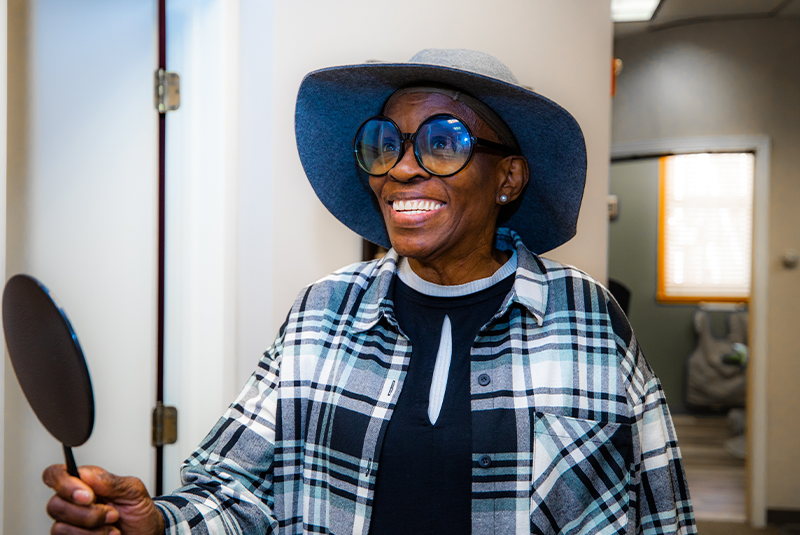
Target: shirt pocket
[[581, 476]]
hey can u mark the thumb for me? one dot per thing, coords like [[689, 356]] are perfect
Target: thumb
[[67, 487]]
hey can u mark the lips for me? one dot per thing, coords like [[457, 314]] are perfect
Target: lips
[[416, 206]]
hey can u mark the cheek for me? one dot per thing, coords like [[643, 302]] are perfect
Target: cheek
[[376, 185], [480, 206]]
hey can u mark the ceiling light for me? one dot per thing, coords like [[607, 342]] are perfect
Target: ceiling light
[[633, 10]]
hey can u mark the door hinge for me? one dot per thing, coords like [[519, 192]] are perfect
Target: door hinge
[[168, 91], [165, 425]]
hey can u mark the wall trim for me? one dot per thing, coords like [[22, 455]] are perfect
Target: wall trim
[[757, 370], [783, 516]]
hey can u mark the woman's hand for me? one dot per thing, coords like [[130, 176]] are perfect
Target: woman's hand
[[100, 502]]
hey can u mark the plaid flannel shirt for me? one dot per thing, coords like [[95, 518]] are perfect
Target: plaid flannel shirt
[[570, 435]]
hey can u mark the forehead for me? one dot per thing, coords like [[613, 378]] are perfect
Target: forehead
[[410, 109]]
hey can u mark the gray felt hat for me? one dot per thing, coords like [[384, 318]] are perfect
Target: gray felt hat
[[333, 102]]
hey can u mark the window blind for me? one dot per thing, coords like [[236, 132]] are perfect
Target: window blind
[[705, 227]]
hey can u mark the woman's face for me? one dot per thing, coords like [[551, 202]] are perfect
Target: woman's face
[[449, 218]]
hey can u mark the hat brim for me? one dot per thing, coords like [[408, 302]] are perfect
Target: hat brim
[[333, 102]]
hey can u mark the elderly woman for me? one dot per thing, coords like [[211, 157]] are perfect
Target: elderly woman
[[461, 383]]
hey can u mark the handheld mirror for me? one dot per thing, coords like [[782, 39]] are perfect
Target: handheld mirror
[[48, 362]]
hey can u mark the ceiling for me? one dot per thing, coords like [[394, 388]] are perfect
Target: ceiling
[[673, 13]]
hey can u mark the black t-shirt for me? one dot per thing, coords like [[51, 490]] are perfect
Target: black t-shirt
[[424, 480]]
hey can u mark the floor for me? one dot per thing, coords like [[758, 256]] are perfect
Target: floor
[[716, 478]]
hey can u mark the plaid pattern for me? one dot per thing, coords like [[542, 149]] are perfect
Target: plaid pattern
[[570, 435]]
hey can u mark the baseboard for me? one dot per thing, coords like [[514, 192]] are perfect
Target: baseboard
[[783, 516]]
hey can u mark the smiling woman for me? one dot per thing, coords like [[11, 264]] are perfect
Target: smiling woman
[[460, 384]]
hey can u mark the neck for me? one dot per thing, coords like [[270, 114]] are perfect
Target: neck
[[479, 264]]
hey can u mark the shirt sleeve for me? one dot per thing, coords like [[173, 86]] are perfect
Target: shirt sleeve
[[228, 480], [660, 492]]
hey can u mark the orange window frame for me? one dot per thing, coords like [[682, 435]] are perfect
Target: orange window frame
[[661, 294]]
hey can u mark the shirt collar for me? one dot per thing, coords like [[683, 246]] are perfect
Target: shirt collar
[[376, 301], [529, 290], [530, 281]]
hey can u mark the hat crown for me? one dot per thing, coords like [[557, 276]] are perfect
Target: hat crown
[[466, 60]]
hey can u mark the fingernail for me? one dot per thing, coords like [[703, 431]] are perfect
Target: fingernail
[[114, 531], [112, 516], [82, 496]]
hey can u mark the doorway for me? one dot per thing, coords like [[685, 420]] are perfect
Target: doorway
[[714, 470], [640, 158]]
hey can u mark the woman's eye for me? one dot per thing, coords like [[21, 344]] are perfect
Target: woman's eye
[[389, 146], [441, 143]]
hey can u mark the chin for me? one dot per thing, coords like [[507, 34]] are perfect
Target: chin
[[412, 248]]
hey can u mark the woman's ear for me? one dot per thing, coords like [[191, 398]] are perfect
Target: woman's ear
[[514, 178]]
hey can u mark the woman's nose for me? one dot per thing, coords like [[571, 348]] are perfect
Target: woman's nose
[[408, 169]]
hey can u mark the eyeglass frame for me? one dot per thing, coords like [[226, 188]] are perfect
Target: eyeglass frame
[[475, 142]]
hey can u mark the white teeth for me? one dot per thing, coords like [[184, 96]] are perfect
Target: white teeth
[[415, 206]]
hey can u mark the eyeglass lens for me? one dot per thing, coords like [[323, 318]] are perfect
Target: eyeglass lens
[[442, 145]]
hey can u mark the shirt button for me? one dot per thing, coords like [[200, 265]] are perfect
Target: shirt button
[[485, 461], [484, 379]]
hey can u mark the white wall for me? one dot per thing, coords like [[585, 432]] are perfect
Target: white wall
[[84, 222], [255, 275]]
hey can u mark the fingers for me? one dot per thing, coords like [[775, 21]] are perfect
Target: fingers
[[86, 516], [67, 487], [73, 507], [97, 500]]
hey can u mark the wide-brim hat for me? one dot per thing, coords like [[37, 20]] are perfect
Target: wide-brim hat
[[333, 102]]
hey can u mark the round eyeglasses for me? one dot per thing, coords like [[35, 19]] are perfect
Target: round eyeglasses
[[443, 145]]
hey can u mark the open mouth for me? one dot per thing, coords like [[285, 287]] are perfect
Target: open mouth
[[416, 206]]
